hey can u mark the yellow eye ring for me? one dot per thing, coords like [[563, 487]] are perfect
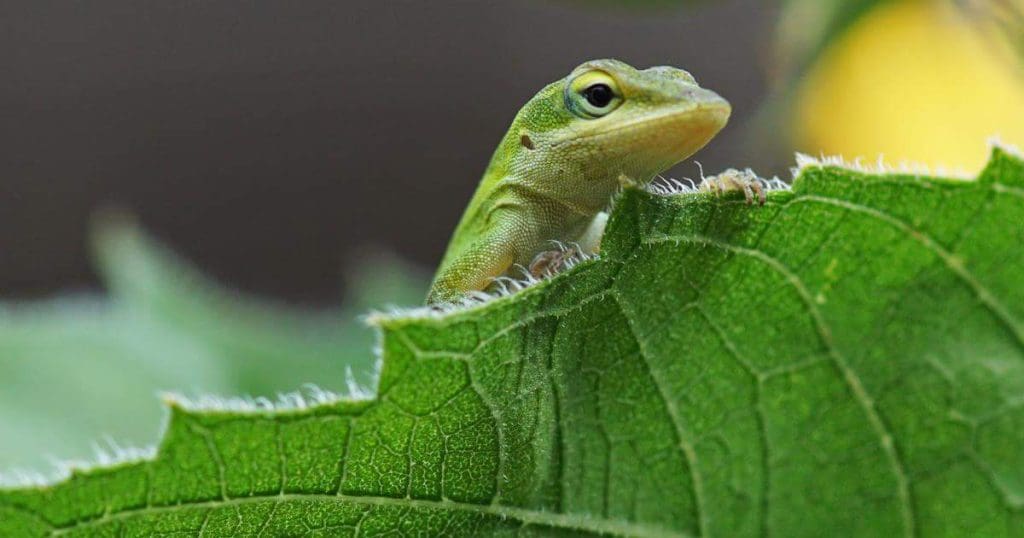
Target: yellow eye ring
[[592, 94]]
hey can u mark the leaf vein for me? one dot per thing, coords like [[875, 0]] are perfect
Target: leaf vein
[[984, 295], [579, 522], [682, 436], [856, 386]]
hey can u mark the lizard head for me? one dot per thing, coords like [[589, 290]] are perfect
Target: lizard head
[[607, 118]]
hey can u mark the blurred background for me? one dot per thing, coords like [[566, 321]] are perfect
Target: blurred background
[[204, 196]]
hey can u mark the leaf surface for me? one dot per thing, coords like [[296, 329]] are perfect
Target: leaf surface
[[847, 359]]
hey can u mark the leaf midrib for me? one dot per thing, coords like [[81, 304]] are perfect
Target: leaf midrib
[[579, 522]]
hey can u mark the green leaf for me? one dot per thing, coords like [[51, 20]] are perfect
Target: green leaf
[[847, 360], [76, 370]]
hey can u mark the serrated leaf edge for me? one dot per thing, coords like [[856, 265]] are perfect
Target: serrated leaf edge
[[115, 455]]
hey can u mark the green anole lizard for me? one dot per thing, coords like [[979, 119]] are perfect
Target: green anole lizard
[[567, 152]]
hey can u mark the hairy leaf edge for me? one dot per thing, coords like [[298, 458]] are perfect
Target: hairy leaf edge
[[311, 398]]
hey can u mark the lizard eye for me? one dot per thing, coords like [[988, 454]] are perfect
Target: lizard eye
[[598, 95], [592, 95]]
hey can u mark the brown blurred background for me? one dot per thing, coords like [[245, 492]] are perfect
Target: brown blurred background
[[270, 141]]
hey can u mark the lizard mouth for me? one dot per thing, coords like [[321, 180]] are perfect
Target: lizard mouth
[[672, 134], [697, 118], [652, 143]]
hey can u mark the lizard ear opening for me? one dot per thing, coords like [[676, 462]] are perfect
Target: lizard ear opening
[[526, 141]]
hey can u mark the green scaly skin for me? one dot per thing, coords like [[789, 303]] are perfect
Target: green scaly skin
[[564, 156]]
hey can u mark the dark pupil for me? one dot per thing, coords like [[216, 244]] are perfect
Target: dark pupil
[[598, 95]]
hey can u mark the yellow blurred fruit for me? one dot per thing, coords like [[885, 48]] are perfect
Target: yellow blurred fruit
[[914, 81]]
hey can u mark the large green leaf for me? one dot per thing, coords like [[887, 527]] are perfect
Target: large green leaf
[[848, 359]]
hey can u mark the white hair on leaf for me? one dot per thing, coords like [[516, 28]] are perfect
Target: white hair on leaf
[[110, 453], [503, 286], [995, 141], [308, 397], [26, 478], [804, 161], [106, 454], [663, 186]]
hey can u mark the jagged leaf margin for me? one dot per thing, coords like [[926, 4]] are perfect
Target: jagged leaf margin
[[849, 358]]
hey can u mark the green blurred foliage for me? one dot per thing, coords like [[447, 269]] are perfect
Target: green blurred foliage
[[78, 368]]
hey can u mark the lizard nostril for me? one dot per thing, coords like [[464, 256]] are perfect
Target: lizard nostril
[[526, 142]]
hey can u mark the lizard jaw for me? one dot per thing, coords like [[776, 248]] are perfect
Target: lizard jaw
[[652, 143]]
